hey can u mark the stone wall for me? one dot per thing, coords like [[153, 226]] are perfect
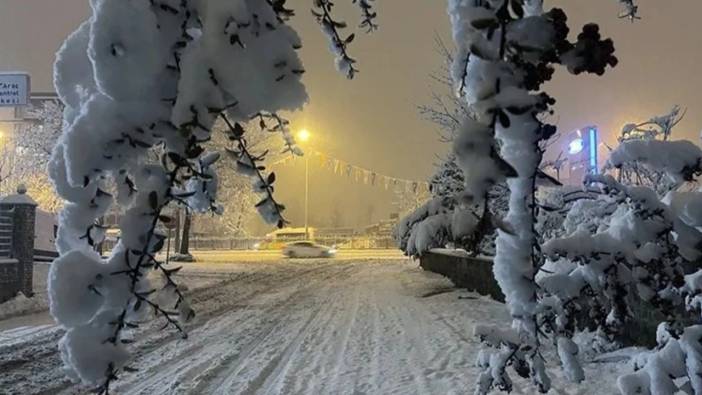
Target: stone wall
[[475, 274], [9, 279]]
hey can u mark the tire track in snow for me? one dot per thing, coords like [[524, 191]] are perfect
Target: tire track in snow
[[231, 377], [304, 375], [216, 353], [34, 366], [274, 372], [300, 327]]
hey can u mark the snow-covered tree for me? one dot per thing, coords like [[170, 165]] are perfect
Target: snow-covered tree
[[447, 180], [145, 75], [442, 221], [31, 151], [505, 51], [39, 137], [445, 110]]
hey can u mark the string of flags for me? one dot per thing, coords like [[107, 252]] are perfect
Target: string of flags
[[359, 174]]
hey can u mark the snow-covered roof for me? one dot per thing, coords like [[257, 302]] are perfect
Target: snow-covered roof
[[20, 197]]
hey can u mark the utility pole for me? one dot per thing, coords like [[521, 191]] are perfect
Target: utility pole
[[307, 195], [303, 136]]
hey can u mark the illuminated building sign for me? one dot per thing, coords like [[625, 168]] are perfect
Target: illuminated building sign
[[581, 146], [592, 150]]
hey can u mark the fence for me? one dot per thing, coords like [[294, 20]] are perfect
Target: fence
[[345, 242], [248, 243], [6, 226]]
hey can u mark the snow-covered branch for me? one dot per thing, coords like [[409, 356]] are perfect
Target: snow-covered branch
[[631, 10], [322, 11], [505, 52], [369, 15], [140, 77]]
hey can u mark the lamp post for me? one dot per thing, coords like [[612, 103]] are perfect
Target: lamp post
[[303, 136]]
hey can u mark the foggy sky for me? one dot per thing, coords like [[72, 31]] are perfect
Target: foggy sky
[[372, 121]]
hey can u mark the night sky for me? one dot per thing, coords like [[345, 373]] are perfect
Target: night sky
[[372, 121]]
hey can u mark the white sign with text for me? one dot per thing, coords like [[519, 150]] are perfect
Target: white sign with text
[[14, 89]]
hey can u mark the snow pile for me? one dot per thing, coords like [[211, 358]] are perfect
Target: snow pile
[[138, 75], [19, 305]]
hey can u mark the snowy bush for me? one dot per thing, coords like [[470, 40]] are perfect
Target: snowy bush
[[638, 247], [153, 76], [615, 242], [608, 243]]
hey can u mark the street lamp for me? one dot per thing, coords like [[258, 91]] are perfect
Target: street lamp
[[303, 136]]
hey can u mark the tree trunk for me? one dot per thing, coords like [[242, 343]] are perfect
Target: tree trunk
[[185, 239], [176, 242]]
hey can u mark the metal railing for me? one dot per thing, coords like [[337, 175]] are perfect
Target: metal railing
[[6, 230], [236, 243]]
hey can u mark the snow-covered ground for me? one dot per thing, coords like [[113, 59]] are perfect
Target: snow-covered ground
[[299, 327]]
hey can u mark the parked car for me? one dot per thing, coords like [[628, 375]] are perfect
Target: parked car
[[308, 249]]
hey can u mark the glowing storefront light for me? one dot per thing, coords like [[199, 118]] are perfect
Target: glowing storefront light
[[576, 146]]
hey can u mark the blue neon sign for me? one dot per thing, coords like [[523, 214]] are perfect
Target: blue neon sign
[[593, 151]]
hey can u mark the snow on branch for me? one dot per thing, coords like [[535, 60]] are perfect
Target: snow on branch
[[506, 50], [660, 127], [139, 78], [322, 11], [369, 15], [631, 10], [248, 164], [680, 160]]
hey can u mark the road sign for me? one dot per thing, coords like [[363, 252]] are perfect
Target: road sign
[[14, 89]]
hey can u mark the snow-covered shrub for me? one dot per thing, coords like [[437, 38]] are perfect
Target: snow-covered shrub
[[153, 76], [639, 247], [505, 51], [446, 221], [426, 227], [621, 241]]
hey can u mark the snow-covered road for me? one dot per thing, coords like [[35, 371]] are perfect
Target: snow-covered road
[[291, 327]]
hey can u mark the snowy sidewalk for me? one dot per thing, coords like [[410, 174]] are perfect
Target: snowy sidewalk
[[297, 327]]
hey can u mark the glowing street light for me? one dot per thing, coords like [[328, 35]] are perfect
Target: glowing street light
[[304, 135]]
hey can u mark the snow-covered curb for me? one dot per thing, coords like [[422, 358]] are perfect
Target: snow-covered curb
[[459, 253]]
